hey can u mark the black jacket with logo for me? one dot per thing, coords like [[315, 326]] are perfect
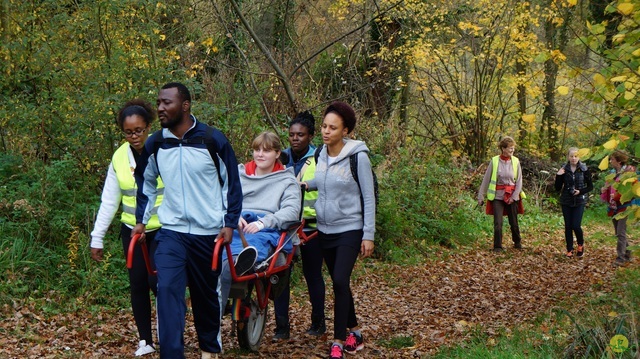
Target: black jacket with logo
[[567, 182]]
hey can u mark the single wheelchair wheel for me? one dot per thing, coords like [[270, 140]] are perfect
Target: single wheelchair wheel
[[251, 330]]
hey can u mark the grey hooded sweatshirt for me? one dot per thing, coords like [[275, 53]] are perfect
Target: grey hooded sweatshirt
[[338, 207]]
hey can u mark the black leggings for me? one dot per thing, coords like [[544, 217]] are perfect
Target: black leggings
[[340, 260], [140, 282], [312, 270]]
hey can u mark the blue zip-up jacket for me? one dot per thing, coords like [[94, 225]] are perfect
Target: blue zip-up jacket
[[297, 166], [194, 200]]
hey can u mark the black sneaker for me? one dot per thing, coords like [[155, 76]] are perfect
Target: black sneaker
[[245, 260], [336, 352], [353, 343], [281, 334], [498, 250], [317, 328]]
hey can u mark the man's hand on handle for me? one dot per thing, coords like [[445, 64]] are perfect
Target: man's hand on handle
[[226, 234]]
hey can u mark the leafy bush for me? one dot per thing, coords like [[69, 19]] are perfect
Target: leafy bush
[[47, 202], [422, 204], [46, 213]]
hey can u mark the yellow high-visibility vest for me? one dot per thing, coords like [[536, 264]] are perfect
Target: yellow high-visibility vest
[[307, 173], [491, 191], [128, 188]]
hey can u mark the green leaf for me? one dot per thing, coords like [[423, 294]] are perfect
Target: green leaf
[[597, 29], [542, 57], [626, 194], [624, 120]]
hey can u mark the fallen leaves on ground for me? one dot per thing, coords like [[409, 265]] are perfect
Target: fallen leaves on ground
[[436, 303]]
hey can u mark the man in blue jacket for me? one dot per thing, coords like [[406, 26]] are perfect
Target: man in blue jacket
[[202, 204]]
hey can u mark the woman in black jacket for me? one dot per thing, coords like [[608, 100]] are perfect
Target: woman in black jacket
[[574, 181]]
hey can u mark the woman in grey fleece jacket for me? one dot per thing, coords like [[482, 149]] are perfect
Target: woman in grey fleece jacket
[[345, 228]]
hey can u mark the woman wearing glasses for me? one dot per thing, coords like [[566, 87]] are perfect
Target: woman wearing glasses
[[134, 119]]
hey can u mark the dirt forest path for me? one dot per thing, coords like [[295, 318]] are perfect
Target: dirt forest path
[[435, 303]]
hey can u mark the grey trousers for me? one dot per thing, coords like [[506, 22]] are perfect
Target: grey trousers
[[620, 226]]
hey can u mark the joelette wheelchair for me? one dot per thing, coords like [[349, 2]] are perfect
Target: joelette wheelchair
[[250, 292]]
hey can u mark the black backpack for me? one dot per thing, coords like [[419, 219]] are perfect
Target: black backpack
[[206, 140], [353, 164]]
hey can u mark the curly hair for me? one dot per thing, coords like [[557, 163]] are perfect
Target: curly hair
[[307, 120], [138, 107], [345, 112]]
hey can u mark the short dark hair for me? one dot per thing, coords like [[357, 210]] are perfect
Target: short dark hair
[[345, 111], [182, 90], [306, 119], [138, 107]]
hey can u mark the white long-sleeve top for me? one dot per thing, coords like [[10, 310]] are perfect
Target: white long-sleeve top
[[111, 198]]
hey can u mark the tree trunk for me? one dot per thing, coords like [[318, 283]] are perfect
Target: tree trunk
[[549, 115], [556, 39], [522, 103]]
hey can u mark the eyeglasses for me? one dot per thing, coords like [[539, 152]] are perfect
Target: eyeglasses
[[136, 132]]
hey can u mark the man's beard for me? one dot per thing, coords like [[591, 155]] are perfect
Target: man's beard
[[171, 122]]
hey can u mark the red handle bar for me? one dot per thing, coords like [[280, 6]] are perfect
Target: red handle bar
[[216, 252], [145, 254]]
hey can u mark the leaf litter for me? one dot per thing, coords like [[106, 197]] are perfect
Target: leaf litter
[[439, 302]]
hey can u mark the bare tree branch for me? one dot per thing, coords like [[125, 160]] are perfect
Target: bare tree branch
[[366, 23], [279, 72]]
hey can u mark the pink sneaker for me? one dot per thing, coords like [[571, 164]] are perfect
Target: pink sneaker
[[336, 352], [353, 343]]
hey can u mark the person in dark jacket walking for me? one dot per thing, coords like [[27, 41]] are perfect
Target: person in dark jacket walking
[[573, 180]]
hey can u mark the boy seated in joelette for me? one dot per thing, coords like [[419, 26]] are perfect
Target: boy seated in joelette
[[271, 201]]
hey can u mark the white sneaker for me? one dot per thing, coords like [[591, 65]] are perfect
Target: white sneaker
[[207, 355], [144, 348]]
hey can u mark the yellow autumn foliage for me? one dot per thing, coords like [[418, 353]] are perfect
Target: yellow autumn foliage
[[625, 8], [529, 118], [584, 152], [604, 164], [599, 79], [611, 144], [628, 95], [563, 90]]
